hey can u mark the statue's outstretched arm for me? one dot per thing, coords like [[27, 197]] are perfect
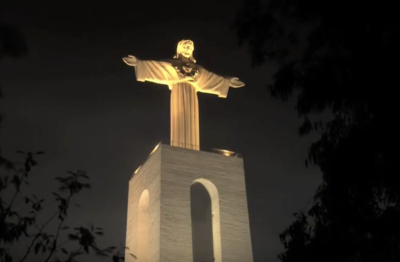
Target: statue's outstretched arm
[[211, 83], [153, 71]]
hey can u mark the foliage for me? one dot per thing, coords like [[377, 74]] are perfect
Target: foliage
[[15, 225], [338, 57]]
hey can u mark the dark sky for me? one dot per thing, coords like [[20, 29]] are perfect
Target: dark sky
[[73, 97]]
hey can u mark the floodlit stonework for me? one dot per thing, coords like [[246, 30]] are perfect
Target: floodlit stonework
[[184, 78], [187, 205]]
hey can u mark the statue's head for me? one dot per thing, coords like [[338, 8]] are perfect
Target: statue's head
[[185, 48]]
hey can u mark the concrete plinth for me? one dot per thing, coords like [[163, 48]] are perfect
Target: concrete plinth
[[186, 205]]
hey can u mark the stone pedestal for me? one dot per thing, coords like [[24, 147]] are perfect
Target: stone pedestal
[[187, 205]]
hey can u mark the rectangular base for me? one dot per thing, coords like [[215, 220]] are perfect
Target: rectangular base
[[186, 205]]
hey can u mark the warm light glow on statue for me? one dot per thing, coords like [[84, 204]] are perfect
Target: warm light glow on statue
[[184, 78]]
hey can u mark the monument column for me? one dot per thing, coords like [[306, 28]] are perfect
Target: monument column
[[185, 204], [195, 203]]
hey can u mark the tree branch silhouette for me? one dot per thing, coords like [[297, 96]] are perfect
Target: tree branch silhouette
[[337, 57]]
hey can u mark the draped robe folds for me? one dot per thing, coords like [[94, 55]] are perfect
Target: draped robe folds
[[184, 102]]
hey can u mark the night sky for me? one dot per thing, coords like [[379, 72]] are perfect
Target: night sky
[[74, 98]]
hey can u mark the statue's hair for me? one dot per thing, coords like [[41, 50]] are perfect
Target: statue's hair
[[179, 47]]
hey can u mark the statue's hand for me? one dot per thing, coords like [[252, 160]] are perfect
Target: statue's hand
[[235, 83], [130, 60]]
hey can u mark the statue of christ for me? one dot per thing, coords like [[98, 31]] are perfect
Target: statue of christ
[[184, 78]]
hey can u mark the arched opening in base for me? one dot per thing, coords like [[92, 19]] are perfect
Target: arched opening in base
[[206, 237], [143, 224]]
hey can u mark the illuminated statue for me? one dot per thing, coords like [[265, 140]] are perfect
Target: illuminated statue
[[184, 78]]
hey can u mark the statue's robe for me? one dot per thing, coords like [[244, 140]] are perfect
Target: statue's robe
[[184, 102]]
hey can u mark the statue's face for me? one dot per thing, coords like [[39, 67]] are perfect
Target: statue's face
[[187, 50]]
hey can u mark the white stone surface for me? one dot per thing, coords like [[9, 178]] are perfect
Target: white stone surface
[[168, 175]]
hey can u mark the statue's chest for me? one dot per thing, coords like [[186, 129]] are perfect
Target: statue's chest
[[187, 70]]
